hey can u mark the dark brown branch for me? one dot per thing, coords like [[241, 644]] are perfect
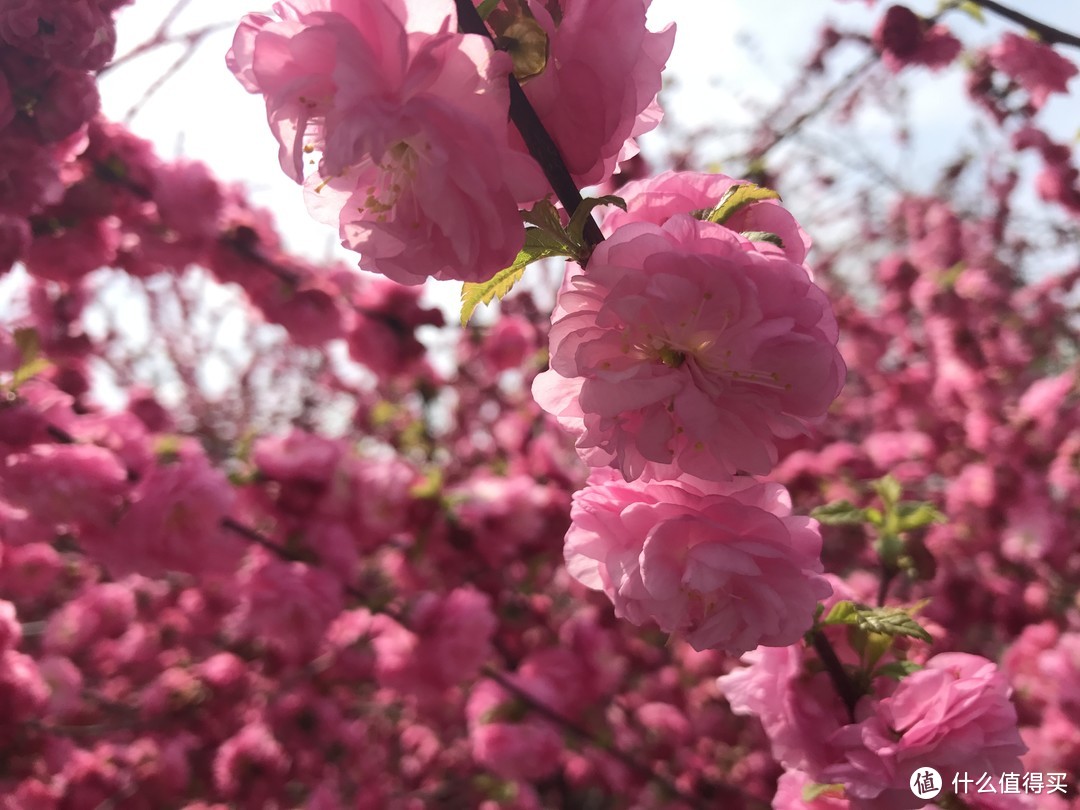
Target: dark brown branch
[[1047, 33], [843, 684], [537, 139]]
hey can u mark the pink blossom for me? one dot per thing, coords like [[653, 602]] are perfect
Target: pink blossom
[[727, 564], [383, 336], [597, 90], [799, 713], [508, 343], [249, 764], [77, 485], [447, 640], [954, 715], [1035, 66], [416, 170], [285, 605], [528, 750], [657, 199], [904, 38], [23, 692], [173, 522], [298, 457], [14, 240], [10, 628], [75, 33], [682, 349]]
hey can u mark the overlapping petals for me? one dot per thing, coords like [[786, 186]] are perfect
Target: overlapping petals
[[725, 564], [685, 348]]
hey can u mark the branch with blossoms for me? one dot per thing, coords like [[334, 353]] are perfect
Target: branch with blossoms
[[692, 356]]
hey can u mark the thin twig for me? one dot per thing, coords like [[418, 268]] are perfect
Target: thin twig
[[843, 685], [1047, 33], [537, 139]]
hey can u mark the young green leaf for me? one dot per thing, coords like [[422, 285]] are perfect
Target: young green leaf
[[735, 199], [889, 490], [815, 790], [576, 229], [897, 669], [486, 7], [912, 515], [889, 621], [763, 236], [839, 513], [539, 244]]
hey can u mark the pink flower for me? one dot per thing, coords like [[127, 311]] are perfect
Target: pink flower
[[904, 38], [508, 343], [300, 457], [286, 605], [75, 33], [383, 336], [252, 760], [530, 749], [684, 349], [1033, 65], [445, 644], [725, 564], [953, 716], [657, 199], [77, 485], [597, 90], [173, 522], [416, 170]]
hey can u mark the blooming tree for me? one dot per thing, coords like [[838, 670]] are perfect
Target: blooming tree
[[714, 532]]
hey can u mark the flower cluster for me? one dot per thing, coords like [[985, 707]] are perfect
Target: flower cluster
[[406, 119], [683, 351]]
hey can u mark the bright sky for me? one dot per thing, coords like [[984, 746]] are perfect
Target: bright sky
[[728, 54]]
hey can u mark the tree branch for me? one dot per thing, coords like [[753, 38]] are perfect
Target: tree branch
[[1047, 33], [843, 685], [538, 140]]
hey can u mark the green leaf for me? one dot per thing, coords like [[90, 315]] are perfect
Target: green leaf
[[27, 371], [539, 244], [843, 612], [892, 621], [486, 7], [911, 515], [544, 215], [735, 199], [28, 343], [972, 9], [576, 229], [814, 790], [889, 621], [763, 236], [839, 513], [897, 669], [32, 363], [889, 490]]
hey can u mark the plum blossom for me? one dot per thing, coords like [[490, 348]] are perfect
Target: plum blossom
[[596, 89], [657, 199], [954, 715], [727, 565], [683, 348], [410, 120], [172, 522], [1034, 65], [904, 38]]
